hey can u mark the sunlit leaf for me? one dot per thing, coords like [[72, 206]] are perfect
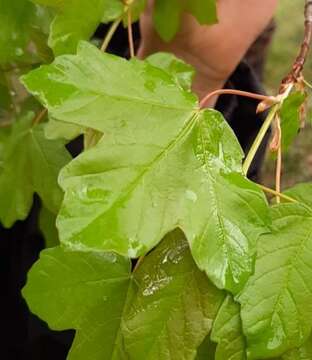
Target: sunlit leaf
[[162, 163], [277, 300]]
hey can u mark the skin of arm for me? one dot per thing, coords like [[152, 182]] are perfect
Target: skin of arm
[[213, 50]]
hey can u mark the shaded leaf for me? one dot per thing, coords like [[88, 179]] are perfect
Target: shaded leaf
[[48, 228], [163, 311], [30, 164], [227, 332], [161, 161], [290, 118], [5, 98], [277, 300], [21, 25], [78, 20], [174, 305], [206, 350], [167, 14]]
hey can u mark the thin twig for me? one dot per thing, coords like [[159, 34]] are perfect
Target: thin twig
[[39, 117], [233, 92], [110, 34], [279, 159], [275, 193], [258, 141], [298, 65], [265, 127], [278, 173], [130, 33]]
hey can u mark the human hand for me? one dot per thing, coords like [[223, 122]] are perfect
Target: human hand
[[213, 50]]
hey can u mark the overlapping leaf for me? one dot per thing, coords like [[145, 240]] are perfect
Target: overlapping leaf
[[304, 352], [163, 311], [277, 300], [5, 98], [290, 118], [29, 164], [47, 225], [162, 164], [206, 350], [227, 332], [167, 14], [77, 20], [22, 28], [182, 72]]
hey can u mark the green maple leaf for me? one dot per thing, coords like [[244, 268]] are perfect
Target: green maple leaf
[[277, 300], [55, 129], [167, 14], [164, 310], [290, 118], [22, 24], [47, 225], [163, 163], [303, 352], [206, 350], [182, 72], [227, 332], [77, 20], [29, 164]]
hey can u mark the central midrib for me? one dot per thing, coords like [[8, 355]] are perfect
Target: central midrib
[[184, 131]]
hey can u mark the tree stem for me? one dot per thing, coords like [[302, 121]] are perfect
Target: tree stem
[[298, 65], [275, 193]]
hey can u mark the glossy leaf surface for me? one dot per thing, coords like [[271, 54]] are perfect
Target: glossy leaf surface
[[168, 13], [30, 164], [163, 311], [159, 165], [277, 300]]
